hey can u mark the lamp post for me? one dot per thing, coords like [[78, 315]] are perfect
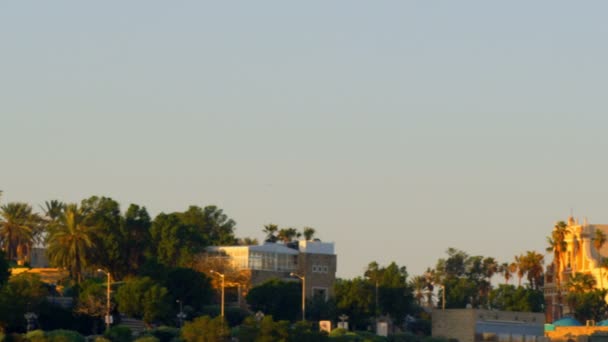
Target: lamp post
[[222, 305], [108, 318], [303, 293], [180, 316]]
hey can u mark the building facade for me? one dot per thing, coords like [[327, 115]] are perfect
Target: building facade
[[314, 261], [580, 257], [473, 325]]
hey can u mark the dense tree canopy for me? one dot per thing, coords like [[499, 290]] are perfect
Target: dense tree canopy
[[277, 298]]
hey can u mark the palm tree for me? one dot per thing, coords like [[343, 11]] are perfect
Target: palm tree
[[309, 233], [598, 241], [534, 268], [19, 227], [429, 277], [69, 242], [558, 245], [271, 231], [505, 270], [287, 235], [53, 209], [513, 267], [419, 284], [520, 261], [581, 283]]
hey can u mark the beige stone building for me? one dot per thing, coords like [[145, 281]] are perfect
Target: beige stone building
[[473, 325], [315, 261], [581, 256]]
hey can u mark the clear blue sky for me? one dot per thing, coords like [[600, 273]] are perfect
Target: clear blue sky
[[396, 129]]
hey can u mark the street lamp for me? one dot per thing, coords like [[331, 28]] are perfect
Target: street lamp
[[303, 293], [108, 317], [221, 276], [180, 316]]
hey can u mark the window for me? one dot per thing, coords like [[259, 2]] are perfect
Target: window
[[320, 292]]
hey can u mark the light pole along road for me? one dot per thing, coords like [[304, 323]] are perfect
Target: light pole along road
[[108, 317], [303, 293], [222, 305]]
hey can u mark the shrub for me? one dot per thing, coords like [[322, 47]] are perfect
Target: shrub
[[165, 333], [36, 336], [64, 336], [148, 338], [119, 333], [101, 339]]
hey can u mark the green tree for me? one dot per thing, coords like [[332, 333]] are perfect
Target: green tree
[[510, 298], [91, 301], [271, 330], [395, 294], [578, 284], [465, 279], [277, 298], [136, 236], [175, 242], [142, 298], [69, 242], [589, 305], [189, 286], [21, 294], [103, 215], [355, 298], [19, 227], [212, 224]]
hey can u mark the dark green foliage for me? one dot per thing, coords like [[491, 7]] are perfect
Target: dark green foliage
[[466, 279], [460, 291], [273, 331], [136, 234], [176, 243], [143, 298], [204, 329], [23, 293], [147, 338], [5, 272], [235, 316], [303, 331], [119, 333], [511, 298], [103, 215], [277, 298], [64, 336], [589, 305], [191, 287], [395, 295], [318, 309], [165, 333], [179, 237], [355, 298], [215, 226], [52, 317]]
